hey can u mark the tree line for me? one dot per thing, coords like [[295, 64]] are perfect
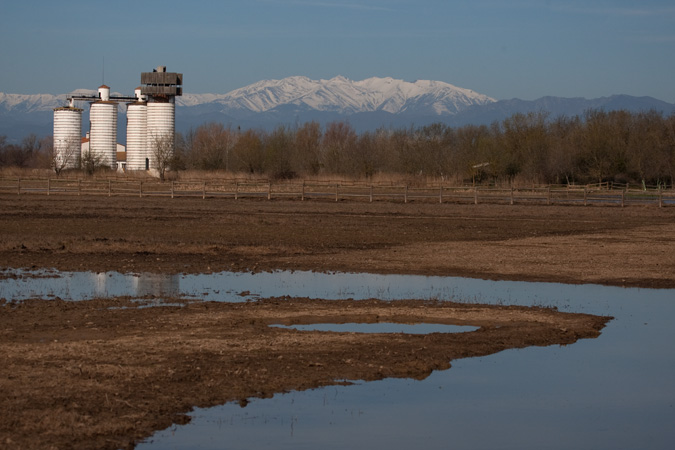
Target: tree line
[[31, 153], [597, 146]]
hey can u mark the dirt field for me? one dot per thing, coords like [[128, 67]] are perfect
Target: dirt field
[[105, 373], [575, 244]]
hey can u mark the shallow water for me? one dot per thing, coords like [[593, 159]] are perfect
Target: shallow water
[[613, 392], [239, 287]]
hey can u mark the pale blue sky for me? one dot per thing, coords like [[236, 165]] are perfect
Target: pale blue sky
[[504, 49]]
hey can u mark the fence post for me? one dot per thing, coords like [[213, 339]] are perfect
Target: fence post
[[18, 186], [405, 195], [48, 185], [440, 195], [585, 197], [475, 195], [548, 195], [140, 188], [109, 187], [302, 196], [236, 190], [79, 186], [623, 197], [269, 190], [512, 195], [336, 192], [660, 197], [371, 193], [172, 189]]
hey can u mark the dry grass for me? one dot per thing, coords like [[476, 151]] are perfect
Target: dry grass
[[391, 179]]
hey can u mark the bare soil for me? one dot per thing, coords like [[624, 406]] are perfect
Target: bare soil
[[107, 373], [610, 245]]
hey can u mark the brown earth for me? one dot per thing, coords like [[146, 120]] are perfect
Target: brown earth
[[630, 246], [93, 375], [106, 373]]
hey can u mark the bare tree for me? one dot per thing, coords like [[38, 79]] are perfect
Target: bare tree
[[308, 145], [339, 141], [162, 153], [63, 155], [90, 161], [279, 147], [249, 152], [211, 147]]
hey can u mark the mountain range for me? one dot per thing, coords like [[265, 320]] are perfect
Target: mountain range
[[366, 105]]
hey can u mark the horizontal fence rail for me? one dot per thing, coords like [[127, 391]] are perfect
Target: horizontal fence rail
[[597, 194]]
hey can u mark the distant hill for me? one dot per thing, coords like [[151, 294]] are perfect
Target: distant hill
[[367, 105]]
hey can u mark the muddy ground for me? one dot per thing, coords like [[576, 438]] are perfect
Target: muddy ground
[[93, 375], [630, 246], [105, 373]]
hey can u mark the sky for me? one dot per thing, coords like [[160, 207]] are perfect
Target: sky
[[505, 49]]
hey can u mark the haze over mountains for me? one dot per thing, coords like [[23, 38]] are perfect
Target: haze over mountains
[[366, 105]]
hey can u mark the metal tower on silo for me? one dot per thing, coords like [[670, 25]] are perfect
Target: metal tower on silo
[[161, 89]]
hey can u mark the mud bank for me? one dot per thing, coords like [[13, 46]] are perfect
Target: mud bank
[[108, 373]]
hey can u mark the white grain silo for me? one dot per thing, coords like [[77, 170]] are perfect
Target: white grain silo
[[67, 135], [161, 87], [137, 134], [161, 126], [103, 130]]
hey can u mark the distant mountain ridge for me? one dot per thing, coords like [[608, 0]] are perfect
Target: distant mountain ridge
[[367, 104], [344, 96]]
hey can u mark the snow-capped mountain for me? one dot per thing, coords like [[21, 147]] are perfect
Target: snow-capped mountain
[[38, 102], [343, 96], [367, 105]]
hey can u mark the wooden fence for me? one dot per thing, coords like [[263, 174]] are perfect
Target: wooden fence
[[607, 194]]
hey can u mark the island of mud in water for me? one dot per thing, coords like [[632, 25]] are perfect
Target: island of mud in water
[[108, 373]]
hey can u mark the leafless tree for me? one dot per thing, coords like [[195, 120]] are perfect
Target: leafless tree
[[63, 155], [162, 153], [90, 161], [279, 149], [308, 145], [249, 152], [211, 147], [339, 141]]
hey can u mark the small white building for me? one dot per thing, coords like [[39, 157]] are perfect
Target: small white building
[[121, 158]]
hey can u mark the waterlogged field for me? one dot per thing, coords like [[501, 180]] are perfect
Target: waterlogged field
[[614, 391], [120, 316]]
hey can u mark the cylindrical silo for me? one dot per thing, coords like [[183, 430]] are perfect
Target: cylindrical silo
[[161, 126], [136, 135], [67, 138], [103, 133]]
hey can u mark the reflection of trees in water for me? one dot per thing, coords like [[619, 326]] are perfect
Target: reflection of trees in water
[[156, 284]]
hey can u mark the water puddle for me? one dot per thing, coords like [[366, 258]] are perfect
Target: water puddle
[[241, 287], [382, 327]]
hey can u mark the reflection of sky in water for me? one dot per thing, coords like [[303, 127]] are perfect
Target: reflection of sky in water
[[614, 392], [230, 286]]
